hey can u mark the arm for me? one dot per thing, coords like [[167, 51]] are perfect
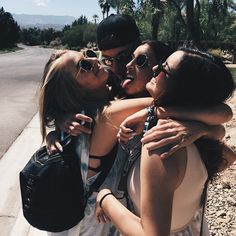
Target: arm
[[107, 125], [173, 134], [168, 134], [209, 115], [159, 179], [73, 124]]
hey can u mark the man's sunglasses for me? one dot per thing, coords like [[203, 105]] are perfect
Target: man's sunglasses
[[158, 69], [123, 58]]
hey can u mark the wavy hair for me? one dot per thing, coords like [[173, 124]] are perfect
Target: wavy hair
[[200, 80]]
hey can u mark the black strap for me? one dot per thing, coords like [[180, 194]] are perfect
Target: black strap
[[203, 202], [95, 169], [110, 157]]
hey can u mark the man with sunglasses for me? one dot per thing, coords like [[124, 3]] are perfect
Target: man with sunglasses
[[117, 38]]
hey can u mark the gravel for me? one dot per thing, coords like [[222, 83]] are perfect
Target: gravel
[[221, 202]]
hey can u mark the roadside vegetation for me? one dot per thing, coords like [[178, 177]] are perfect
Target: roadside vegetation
[[209, 24]]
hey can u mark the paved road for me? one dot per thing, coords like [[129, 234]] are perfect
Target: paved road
[[20, 74]]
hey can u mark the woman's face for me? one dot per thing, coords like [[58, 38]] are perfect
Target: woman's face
[[138, 76], [88, 72], [158, 84]]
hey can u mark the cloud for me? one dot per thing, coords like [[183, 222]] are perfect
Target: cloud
[[41, 3]]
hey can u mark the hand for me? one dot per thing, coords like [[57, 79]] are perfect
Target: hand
[[52, 143], [99, 212], [74, 124], [132, 126], [170, 135]]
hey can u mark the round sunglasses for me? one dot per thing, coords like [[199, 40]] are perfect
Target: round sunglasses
[[85, 65], [141, 60]]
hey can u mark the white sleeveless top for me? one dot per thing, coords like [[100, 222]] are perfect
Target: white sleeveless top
[[186, 209]]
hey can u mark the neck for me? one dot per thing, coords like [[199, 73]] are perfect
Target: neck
[[98, 95]]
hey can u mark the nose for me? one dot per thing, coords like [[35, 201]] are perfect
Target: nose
[[154, 68], [130, 65]]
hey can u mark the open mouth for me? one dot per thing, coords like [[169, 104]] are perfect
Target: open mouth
[[127, 81]]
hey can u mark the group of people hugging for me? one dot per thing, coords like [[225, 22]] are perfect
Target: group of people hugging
[[156, 112]]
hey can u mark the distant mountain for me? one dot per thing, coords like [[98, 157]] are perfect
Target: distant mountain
[[43, 21]]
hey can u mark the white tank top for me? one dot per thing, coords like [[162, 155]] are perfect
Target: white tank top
[[187, 196]]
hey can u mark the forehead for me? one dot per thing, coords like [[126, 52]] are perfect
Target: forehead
[[174, 59], [143, 49], [70, 59], [114, 51]]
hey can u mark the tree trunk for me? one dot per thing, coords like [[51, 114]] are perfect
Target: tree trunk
[[155, 18], [193, 29], [234, 55]]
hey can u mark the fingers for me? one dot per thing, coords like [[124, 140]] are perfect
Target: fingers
[[157, 134], [170, 151], [125, 134], [102, 218], [83, 117], [78, 125], [52, 143], [165, 142]]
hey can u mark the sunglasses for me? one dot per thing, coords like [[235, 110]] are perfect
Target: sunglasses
[[85, 65], [90, 53], [141, 60], [123, 58], [160, 69]]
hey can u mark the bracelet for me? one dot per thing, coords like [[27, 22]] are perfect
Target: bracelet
[[151, 118], [100, 202]]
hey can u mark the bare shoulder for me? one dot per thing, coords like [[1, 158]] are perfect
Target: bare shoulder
[[172, 169]]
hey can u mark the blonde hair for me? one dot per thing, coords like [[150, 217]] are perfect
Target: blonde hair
[[59, 93]]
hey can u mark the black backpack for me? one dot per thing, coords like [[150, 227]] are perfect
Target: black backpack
[[52, 189], [52, 192]]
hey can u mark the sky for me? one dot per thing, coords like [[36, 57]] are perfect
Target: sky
[[74, 8]]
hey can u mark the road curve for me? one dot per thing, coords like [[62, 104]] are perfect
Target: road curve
[[20, 74]]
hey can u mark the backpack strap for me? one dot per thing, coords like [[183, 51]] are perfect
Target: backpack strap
[[110, 158]]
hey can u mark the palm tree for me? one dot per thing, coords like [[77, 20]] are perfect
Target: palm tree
[[95, 18], [105, 5]]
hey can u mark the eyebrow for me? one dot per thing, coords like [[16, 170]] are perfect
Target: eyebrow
[[121, 52], [168, 67]]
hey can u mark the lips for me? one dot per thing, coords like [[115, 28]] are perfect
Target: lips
[[127, 81]]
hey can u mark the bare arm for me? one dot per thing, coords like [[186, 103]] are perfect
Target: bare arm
[[108, 123], [159, 179], [209, 115]]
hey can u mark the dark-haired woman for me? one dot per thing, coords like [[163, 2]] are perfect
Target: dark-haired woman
[[166, 193]]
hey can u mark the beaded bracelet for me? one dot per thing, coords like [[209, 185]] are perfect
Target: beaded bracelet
[[100, 202], [151, 118]]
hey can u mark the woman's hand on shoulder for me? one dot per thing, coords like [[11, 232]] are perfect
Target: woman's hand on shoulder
[[170, 135], [132, 126], [75, 124]]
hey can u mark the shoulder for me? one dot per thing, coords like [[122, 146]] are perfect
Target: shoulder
[[171, 170]]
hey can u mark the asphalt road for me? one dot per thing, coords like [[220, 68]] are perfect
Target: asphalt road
[[20, 75]]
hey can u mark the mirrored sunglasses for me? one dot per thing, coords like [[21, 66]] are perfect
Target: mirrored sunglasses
[[90, 53], [141, 60], [85, 65]]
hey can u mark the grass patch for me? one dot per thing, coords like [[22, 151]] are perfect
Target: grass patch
[[233, 72], [7, 50]]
